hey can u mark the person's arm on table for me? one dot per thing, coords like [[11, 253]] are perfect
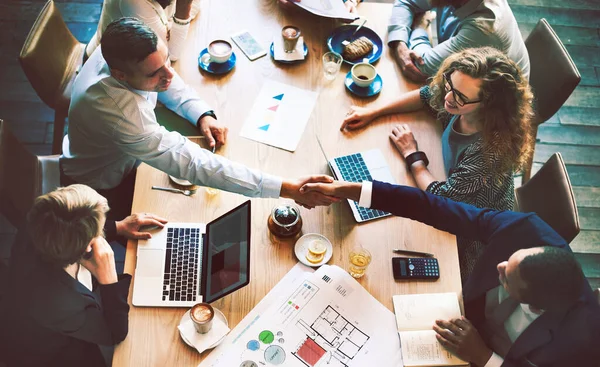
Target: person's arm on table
[[180, 27], [184, 101], [408, 202], [359, 117], [399, 30], [468, 36]]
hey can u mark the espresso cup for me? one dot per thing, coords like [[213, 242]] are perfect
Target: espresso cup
[[202, 315], [219, 51], [363, 74]]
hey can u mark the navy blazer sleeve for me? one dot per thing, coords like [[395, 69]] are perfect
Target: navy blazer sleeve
[[444, 214]]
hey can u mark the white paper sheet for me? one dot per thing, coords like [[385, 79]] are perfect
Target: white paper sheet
[[326, 319], [279, 115], [327, 8]]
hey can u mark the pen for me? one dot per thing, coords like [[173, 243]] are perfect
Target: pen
[[415, 253]]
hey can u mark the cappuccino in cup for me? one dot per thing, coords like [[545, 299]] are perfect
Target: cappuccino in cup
[[219, 51], [202, 315]]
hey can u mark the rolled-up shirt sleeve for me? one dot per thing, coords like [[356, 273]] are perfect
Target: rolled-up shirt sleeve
[[470, 35], [403, 12], [143, 138], [184, 100]]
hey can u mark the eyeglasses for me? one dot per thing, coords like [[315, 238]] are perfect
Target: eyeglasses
[[459, 98]]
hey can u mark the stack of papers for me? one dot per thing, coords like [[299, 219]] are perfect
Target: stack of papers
[[328, 8]]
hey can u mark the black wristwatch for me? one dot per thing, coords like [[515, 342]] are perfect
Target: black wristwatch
[[416, 156]]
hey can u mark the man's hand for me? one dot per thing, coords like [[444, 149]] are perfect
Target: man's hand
[[130, 226], [404, 140], [102, 261], [291, 190], [407, 60], [357, 118], [338, 189], [461, 338], [215, 134]]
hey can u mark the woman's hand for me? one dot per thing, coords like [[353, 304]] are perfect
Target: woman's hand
[[404, 140], [358, 117]]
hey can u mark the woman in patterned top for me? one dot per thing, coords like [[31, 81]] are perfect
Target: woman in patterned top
[[485, 105]]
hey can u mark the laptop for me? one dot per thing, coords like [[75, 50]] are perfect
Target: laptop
[[187, 263], [359, 167]]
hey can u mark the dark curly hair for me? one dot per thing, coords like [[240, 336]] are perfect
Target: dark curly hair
[[506, 111]]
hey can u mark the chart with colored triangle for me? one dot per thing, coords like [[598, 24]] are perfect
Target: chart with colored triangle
[[279, 115]]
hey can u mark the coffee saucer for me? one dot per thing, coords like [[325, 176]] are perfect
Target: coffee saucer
[[301, 249], [218, 314], [214, 67], [369, 91], [288, 61]]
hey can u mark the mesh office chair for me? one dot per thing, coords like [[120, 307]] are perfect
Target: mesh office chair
[[549, 194], [50, 58], [23, 177], [553, 76]]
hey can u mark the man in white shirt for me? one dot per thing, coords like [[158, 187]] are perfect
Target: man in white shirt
[[534, 309], [112, 126]]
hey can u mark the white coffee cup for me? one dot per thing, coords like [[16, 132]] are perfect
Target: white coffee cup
[[363, 74], [219, 51]]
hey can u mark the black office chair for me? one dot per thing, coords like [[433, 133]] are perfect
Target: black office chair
[[553, 76], [550, 195]]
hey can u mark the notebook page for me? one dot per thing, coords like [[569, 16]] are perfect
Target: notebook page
[[419, 311], [421, 348]]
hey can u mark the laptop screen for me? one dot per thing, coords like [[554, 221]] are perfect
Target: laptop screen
[[226, 258]]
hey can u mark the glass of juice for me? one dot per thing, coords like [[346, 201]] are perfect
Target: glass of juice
[[359, 258]]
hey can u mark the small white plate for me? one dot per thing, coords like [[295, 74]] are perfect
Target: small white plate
[[218, 313], [301, 249], [180, 181]]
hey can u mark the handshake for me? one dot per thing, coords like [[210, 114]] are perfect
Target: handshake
[[319, 190]]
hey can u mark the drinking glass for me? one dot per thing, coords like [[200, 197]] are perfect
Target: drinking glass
[[332, 61], [359, 258]]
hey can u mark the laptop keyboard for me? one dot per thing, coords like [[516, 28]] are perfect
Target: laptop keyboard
[[354, 169], [181, 264]]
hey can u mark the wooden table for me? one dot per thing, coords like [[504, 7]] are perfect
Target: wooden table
[[153, 338]]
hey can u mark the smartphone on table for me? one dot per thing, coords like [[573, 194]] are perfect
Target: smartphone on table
[[248, 44]]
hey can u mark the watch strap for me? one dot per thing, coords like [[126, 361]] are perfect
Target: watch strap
[[416, 156]]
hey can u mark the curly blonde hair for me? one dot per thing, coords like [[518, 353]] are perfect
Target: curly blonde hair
[[506, 112]]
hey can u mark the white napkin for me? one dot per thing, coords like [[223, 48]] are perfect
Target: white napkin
[[281, 55], [203, 341]]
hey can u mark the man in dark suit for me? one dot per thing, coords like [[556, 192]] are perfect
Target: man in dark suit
[[527, 302], [65, 303]]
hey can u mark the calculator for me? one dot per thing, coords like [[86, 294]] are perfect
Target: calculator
[[406, 268]]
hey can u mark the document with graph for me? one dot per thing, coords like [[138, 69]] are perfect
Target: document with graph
[[415, 316], [279, 115], [325, 319]]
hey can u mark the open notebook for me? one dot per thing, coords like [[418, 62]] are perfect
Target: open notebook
[[415, 316]]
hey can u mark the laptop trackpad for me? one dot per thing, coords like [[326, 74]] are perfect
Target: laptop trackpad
[[150, 263]]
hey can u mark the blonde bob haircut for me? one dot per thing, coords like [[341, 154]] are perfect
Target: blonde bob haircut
[[506, 113], [63, 222]]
